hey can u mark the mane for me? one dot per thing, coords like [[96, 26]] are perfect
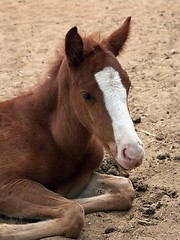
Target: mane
[[89, 45], [55, 64], [46, 89]]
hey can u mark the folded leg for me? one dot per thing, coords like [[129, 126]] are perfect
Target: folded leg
[[106, 192], [25, 198]]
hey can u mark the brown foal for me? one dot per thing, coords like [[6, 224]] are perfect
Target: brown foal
[[52, 139]]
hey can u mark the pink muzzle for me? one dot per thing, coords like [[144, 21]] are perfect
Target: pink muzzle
[[132, 155], [129, 155]]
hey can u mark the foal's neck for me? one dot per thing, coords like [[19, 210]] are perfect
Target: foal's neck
[[67, 131]]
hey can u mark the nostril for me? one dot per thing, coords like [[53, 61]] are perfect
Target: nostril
[[125, 154]]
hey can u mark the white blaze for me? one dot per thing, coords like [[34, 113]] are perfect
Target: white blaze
[[115, 97]]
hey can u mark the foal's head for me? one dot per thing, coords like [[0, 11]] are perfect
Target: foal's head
[[98, 91]]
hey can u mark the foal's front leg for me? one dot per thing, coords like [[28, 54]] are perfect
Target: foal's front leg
[[24, 198], [106, 192]]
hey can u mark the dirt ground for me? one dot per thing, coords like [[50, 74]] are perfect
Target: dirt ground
[[29, 33]]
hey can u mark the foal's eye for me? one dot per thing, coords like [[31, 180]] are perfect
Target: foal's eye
[[86, 96]]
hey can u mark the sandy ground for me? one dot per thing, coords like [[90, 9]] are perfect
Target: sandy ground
[[29, 33]]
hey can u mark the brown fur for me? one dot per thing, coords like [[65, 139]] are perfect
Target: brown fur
[[51, 142]]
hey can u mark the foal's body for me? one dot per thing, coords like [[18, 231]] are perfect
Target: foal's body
[[51, 143]]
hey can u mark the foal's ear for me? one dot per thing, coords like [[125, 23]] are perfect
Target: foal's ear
[[116, 40], [74, 47]]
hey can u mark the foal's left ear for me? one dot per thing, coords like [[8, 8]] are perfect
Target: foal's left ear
[[74, 47], [117, 39]]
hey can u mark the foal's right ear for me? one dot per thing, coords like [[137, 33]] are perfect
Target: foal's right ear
[[74, 47]]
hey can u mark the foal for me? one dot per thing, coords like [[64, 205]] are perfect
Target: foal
[[52, 139]]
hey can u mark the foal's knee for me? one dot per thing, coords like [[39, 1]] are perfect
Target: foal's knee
[[130, 190], [75, 220], [125, 194], [129, 194]]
